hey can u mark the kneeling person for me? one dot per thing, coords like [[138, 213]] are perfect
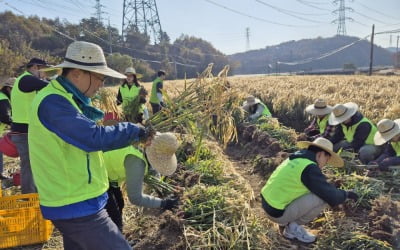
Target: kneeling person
[[255, 108], [297, 191]]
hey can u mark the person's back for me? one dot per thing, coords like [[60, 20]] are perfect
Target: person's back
[[25, 89], [156, 96]]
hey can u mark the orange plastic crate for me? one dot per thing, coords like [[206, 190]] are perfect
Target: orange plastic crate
[[21, 222]]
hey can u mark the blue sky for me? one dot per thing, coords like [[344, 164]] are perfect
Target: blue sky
[[224, 22]]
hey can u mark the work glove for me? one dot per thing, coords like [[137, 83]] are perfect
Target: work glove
[[169, 203], [352, 195]]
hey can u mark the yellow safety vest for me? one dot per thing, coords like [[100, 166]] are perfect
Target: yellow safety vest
[[63, 173], [21, 102], [284, 185], [350, 131], [114, 162]]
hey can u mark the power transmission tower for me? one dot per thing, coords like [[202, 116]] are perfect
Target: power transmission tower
[[341, 20], [143, 15], [247, 38], [98, 13]]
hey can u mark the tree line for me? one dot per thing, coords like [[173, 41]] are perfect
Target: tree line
[[22, 38]]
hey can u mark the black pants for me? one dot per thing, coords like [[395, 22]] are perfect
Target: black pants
[[155, 107], [115, 204]]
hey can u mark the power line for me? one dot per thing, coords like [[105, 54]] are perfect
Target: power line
[[330, 53], [311, 4], [376, 11], [287, 12], [255, 18]]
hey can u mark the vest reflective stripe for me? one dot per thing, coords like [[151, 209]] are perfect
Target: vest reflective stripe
[[266, 111], [153, 96], [21, 102], [396, 147], [114, 162], [127, 93], [284, 185], [63, 173], [350, 131], [322, 124], [3, 125]]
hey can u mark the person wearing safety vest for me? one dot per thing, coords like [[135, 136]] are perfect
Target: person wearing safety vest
[[255, 108], [5, 113], [66, 148], [297, 191], [130, 165], [354, 132], [388, 135], [25, 89], [130, 88], [156, 96], [319, 126]]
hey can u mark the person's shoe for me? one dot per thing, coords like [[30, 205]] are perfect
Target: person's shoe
[[295, 231]]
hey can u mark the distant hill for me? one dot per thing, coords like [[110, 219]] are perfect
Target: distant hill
[[392, 49], [265, 60]]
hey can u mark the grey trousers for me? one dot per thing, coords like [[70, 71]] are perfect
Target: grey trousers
[[21, 142], [95, 231], [366, 153], [302, 210]]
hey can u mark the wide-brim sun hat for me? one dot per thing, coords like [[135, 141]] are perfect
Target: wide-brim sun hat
[[131, 70], [323, 143], [89, 57], [161, 153], [342, 112], [250, 101], [319, 107], [387, 129]]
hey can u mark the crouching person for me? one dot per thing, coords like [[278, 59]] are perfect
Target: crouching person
[[130, 165], [388, 135], [255, 108], [297, 191], [353, 132]]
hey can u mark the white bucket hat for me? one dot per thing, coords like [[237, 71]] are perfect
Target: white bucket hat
[[326, 145], [319, 108], [250, 100], [89, 57], [161, 153], [342, 112], [131, 70], [387, 129]]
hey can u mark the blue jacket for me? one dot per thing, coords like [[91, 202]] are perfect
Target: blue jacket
[[61, 118]]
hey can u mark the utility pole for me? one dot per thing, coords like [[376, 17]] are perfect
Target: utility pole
[[341, 20], [397, 53], [247, 38], [372, 50]]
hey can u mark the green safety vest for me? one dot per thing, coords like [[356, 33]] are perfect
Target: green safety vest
[[153, 96], [350, 131], [21, 102], [266, 111], [284, 185], [322, 124], [3, 125], [63, 173], [114, 161], [127, 93], [396, 147]]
